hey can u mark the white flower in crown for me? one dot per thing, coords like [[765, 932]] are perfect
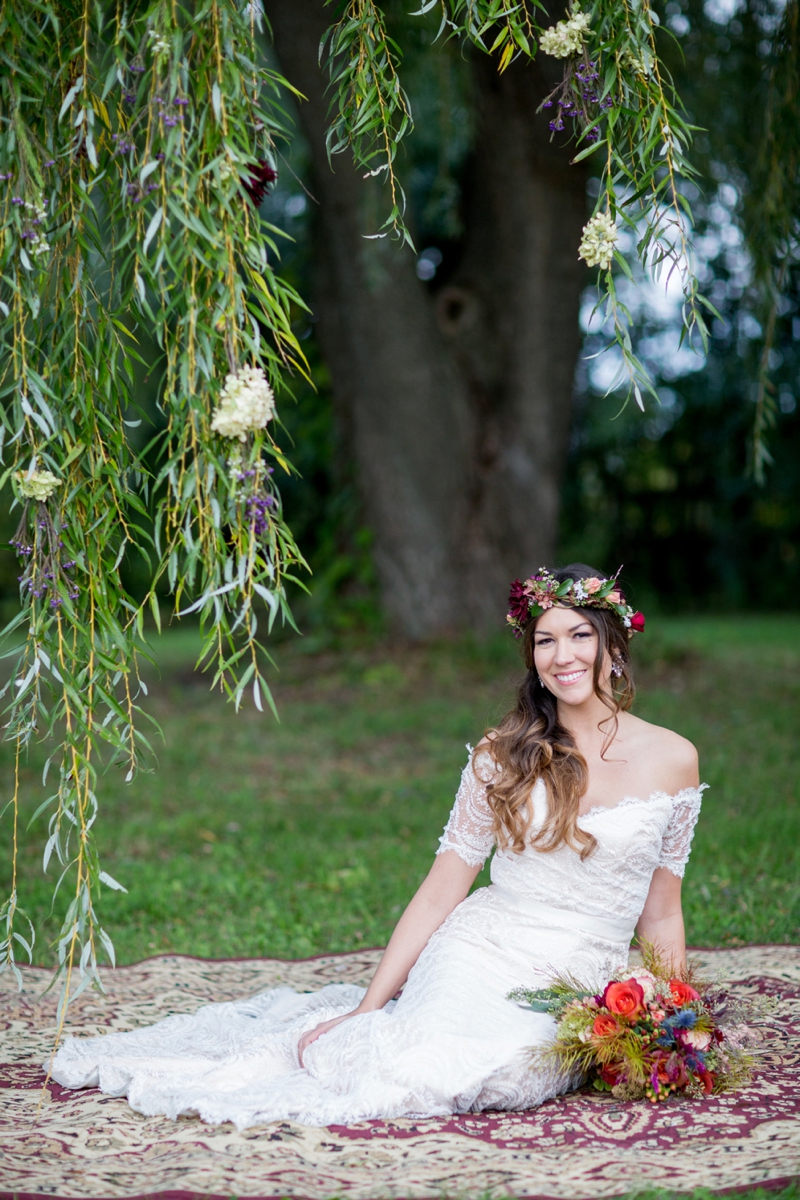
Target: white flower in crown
[[246, 403], [567, 37], [36, 485], [600, 235]]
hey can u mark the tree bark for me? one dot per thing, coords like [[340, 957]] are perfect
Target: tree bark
[[457, 402]]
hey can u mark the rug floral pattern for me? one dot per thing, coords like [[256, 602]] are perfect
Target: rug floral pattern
[[89, 1146]]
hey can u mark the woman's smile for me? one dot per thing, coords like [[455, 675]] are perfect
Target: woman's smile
[[570, 676]]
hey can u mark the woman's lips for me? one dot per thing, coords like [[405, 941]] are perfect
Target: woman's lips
[[570, 677]]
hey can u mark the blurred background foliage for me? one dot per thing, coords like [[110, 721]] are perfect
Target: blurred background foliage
[[671, 492], [673, 495]]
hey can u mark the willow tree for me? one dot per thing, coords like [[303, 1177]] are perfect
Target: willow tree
[[135, 141]]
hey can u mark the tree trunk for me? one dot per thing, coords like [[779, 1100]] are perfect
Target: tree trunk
[[457, 402]]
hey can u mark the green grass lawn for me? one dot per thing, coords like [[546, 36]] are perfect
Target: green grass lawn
[[261, 838]]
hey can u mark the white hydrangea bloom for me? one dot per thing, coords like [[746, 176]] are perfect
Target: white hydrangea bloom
[[247, 402], [36, 485], [599, 238], [567, 37]]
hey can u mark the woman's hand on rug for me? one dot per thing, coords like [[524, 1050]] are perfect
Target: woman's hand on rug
[[312, 1034]]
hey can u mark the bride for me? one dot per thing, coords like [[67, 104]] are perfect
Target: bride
[[590, 812]]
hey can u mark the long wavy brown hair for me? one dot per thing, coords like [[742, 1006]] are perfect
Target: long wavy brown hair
[[529, 743]]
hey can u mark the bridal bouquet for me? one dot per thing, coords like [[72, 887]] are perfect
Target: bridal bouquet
[[651, 1035]]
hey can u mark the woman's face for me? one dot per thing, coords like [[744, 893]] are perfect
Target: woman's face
[[564, 651]]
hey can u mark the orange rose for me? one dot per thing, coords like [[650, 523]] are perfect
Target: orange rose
[[605, 1025], [626, 999], [682, 993]]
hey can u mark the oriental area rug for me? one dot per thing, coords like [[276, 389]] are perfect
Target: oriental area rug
[[86, 1146]]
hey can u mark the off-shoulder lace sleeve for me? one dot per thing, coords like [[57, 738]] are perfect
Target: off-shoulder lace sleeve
[[677, 839], [470, 830]]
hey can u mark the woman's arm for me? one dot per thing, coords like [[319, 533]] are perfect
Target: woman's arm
[[446, 885], [661, 922]]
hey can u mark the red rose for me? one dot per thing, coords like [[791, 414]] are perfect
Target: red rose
[[611, 1073], [605, 1025], [682, 993], [626, 999], [637, 622], [707, 1080]]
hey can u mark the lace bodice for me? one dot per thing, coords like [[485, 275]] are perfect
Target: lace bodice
[[634, 838]]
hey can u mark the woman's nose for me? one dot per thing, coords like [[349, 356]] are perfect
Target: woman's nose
[[564, 652]]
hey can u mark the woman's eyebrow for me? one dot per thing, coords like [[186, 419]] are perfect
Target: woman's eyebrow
[[572, 629]]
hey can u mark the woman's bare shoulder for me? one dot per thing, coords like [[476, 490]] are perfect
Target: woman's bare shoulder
[[673, 757]]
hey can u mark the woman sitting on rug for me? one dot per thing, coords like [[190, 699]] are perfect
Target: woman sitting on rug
[[591, 813]]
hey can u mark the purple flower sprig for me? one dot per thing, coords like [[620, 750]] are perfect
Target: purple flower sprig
[[576, 99], [45, 566], [256, 501], [256, 511]]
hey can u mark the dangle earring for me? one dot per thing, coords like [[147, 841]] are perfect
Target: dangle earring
[[616, 668], [538, 676]]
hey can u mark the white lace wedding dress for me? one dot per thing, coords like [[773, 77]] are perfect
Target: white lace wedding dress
[[452, 1042]]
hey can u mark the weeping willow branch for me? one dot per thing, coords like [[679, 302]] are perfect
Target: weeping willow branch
[[370, 112], [132, 138], [614, 96], [772, 217]]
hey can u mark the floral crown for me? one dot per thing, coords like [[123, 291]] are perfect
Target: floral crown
[[541, 591]]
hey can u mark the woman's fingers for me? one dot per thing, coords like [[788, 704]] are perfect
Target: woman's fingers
[[312, 1034]]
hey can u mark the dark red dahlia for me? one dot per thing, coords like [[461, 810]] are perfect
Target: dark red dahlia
[[518, 602], [261, 177]]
